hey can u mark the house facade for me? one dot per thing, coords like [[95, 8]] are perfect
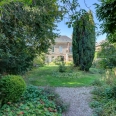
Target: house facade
[[98, 46], [62, 48]]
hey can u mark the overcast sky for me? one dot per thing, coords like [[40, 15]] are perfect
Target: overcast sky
[[64, 30]]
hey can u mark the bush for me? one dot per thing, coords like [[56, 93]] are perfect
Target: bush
[[110, 77], [57, 61], [111, 92], [105, 100], [34, 102], [101, 63], [104, 103], [11, 88], [105, 63], [62, 67], [39, 60], [97, 82]]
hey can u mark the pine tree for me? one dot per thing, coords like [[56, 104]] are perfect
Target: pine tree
[[84, 41]]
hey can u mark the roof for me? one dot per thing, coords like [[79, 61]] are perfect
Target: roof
[[100, 43], [63, 39]]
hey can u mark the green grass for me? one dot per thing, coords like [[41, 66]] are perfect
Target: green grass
[[49, 76]]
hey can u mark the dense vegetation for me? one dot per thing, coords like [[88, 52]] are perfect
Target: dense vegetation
[[11, 88], [107, 55], [104, 95], [35, 101], [84, 41], [25, 30], [28, 28], [106, 12]]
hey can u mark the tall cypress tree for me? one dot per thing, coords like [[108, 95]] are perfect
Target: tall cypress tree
[[84, 41]]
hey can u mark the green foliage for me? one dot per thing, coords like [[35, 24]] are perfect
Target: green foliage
[[11, 88], [57, 61], [97, 82], [96, 55], [109, 77], [104, 101], [34, 102], [60, 62], [104, 97], [39, 60], [96, 63], [25, 30], [106, 12], [104, 63], [108, 55], [84, 41], [46, 95], [62, 67], [50, 75]]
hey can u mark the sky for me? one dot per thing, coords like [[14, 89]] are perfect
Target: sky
[[64, 30]]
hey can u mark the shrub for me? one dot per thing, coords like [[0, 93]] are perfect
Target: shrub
[[11, 88], [96, 63], [62, 67], [110, 92], [105, 63], [99, 91], [102, 63], [104, 103], [97, 82], [110, 77], [57, 61], [34, 102], [39, 60]]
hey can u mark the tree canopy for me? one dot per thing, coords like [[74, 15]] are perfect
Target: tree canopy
[[25, 30], [106, 12], [28, 27], [84, 41]]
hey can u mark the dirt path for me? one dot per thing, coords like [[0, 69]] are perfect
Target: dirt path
[[79, 99]]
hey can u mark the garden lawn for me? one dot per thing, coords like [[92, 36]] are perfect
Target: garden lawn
[[50, 76]]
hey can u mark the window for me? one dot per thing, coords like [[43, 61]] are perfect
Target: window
[[52, 48], [60, 49], [70, 49]]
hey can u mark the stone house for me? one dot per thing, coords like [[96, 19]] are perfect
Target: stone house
[[99, 45], [62, 48]]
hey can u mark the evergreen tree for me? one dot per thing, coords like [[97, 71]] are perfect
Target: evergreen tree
[[84, 41]]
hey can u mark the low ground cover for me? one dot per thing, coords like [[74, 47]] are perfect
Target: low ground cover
[[50, 76], [34, 102]]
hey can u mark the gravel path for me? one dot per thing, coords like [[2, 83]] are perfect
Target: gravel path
[[78, 98]]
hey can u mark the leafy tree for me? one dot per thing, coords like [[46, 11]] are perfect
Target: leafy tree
[[28, 27], [107, 55], [106, 12], [25, 30], [84, 41]]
